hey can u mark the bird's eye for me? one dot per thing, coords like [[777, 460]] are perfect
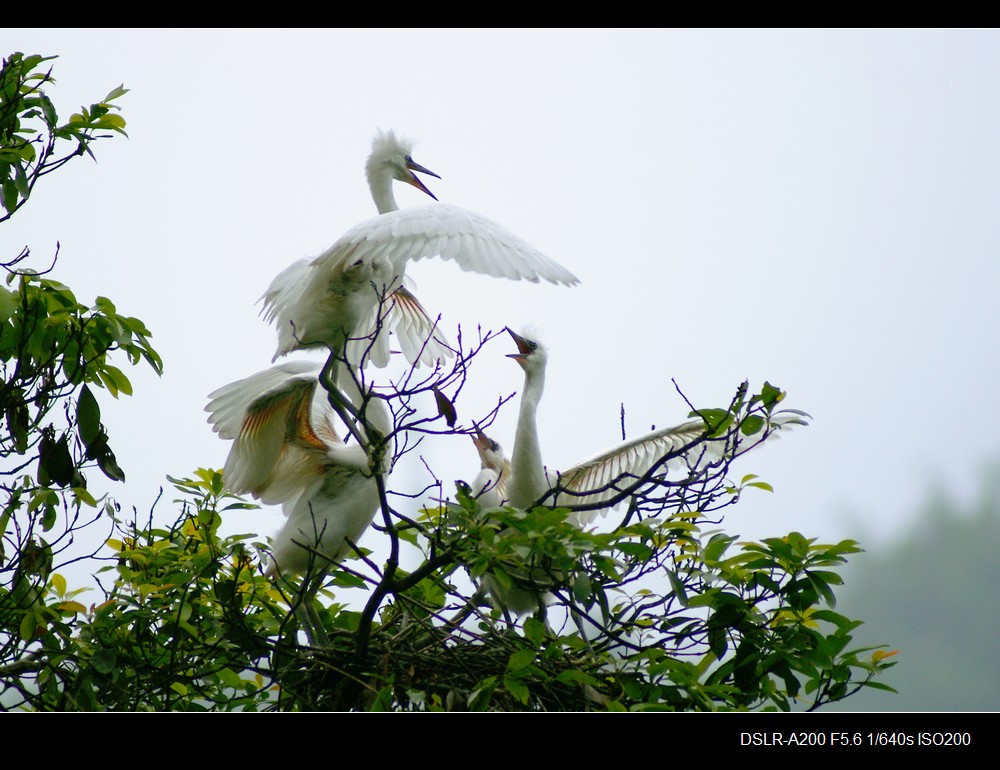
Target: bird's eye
[[408, 159], [533, 345], [494, 446]]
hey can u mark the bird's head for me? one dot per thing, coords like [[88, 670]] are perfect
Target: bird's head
[[530, 354], [390, 156], [490, 452]]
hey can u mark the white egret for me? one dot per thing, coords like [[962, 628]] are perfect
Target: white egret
[[524, 481], [490, 489], [490, 485], [286, 451], [602, 477], [342, 299]]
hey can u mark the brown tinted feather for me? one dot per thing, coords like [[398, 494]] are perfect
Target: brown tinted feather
[[299, 427]]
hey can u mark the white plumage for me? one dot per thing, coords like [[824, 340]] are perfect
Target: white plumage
[[524, 480], [286, 451], [603, 476], [335, 299], [490, 485], [490, 489]]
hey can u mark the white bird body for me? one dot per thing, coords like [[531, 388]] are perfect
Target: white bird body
[[490, 485], [286, 452], [490, 489], [524, 481], [605, 475], [334, 298]]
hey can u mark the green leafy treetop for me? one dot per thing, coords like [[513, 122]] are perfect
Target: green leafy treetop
[[658, 608], [54, 353], [32, 141]]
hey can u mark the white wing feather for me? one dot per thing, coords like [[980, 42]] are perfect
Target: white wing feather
[[474, 242], [605, 475], [228, 405]]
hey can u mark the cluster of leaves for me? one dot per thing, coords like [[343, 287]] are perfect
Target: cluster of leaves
[[54, 352], [655, 609], [179, 629], [31, 137]]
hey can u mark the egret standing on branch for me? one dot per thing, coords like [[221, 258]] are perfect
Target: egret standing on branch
[[342, 299], [597, 484], [286, 451], [603, 477]]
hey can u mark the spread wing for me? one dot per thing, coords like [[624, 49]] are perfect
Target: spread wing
[[474, 242]]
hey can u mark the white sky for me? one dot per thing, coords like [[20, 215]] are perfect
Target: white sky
[[815, 208]]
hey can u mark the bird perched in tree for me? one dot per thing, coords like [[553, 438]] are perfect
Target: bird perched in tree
[[286, 451], [598, 483], [602, 477], [345, 299], [490, 485]]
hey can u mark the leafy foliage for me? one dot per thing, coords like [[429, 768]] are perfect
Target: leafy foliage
[[656, 608], [31, 136], [54, 353]]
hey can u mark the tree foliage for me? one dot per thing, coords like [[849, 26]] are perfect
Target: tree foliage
[[33, 142], [657, 608], [54, 353]]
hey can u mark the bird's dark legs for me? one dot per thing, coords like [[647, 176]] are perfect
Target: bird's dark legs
[[341, 404]]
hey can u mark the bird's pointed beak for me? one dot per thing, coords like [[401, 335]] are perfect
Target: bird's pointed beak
[[523, 348], [482, 442], [412, 166], [480, 439]]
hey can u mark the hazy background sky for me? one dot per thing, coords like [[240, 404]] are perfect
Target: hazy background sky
[[818, 208]]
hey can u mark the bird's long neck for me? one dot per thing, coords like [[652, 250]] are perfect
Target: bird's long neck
[[380, 184], [527, 473]]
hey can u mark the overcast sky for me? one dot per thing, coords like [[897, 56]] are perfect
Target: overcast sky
[[814, 208]]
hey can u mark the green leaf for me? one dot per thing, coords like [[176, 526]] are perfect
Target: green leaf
[[27, 627], [534, 630], [770, 395], [107, 463], [716, 420], [58, 583], [520, 660], [717, 546], [751, 424], [582, 589], [517, 688], [88, 417], [8, 304], [575, 675], [479, 698], [880, 686], [678, 587]]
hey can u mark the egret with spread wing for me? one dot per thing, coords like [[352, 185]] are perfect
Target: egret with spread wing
[[595, 485], [344, 299], [604, 478], [286, 451]]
